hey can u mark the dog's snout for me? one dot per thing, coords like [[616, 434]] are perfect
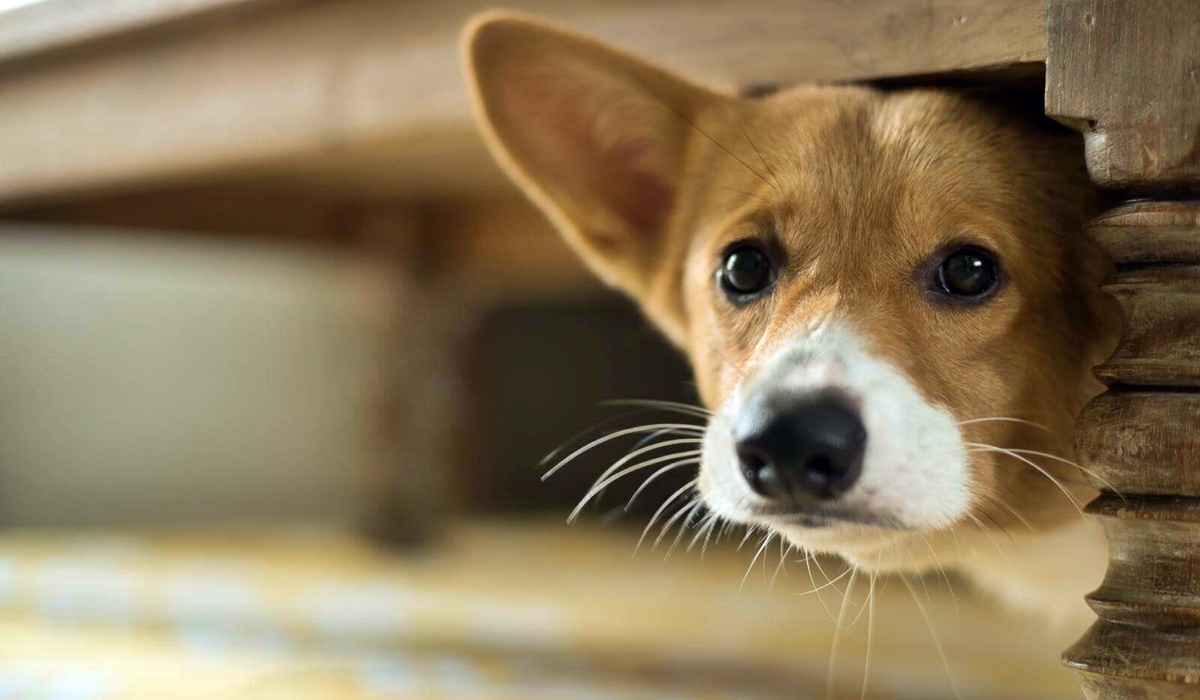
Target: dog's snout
[[801, 449]]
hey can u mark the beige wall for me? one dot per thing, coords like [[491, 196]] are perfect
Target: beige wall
[[151, 380]]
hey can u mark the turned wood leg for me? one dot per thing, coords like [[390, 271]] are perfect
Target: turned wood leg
[[1142, 438], [1126, 74]]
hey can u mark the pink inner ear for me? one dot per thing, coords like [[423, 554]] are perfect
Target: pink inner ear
[[637, 196], [582, 142]]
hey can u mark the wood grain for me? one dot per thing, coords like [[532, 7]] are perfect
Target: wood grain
[[1140, 441], [1125, 74], [1135, 100], [57, 25], [368, 95]]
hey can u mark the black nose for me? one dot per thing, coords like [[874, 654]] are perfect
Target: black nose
[[800, 449]]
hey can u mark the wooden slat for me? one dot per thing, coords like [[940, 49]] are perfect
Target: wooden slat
[[352, 90], [52, 25], [488, 247]]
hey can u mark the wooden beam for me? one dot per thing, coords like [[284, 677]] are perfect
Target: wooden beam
[[47, 26], [1146, 133], [363, 91]]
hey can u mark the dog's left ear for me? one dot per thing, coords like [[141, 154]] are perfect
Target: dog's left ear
[[594, 137]]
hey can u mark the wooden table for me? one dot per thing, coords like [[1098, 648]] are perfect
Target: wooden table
[[344, 122]]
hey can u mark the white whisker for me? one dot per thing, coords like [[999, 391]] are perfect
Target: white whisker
[[837, 635], [613, 436], [1005, 419], [999, 502], [684, 525], [705, 529], [870, 637], [988, 534], [823, 586], [654, 476], [941, 570], [676, 406], [1075, 502], [658, 513], [785, 548], [937, 642], [808, 562], [1078, 466], [766, 540], [608, 478], [666, 528]]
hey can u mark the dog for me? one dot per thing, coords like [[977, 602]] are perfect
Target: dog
[[886, 296]]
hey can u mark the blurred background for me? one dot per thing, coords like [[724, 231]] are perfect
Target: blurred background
[[283, 353]]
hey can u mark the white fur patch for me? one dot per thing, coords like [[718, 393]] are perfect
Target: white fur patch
[[915, 467]]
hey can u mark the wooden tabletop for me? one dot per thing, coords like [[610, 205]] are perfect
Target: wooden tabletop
[[367, 96], [503, 609]]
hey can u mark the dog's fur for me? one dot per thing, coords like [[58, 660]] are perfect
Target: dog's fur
[[650, 178]]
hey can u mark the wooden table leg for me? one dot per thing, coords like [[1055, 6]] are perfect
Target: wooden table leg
[[1127, 74], [421, 411]]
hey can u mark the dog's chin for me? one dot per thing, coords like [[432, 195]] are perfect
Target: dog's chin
[[855, 541]]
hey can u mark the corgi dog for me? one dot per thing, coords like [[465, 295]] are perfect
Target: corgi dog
[[886, 296]]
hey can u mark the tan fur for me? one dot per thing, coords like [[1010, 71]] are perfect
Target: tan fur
[[650, 178]]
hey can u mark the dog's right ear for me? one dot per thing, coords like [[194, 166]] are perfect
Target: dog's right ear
[[595, 137]]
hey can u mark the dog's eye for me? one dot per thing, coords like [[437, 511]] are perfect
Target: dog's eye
[[745, 271], [967, 272]]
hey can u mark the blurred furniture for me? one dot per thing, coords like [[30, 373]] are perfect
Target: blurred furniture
[[344, 123], [501, 611]]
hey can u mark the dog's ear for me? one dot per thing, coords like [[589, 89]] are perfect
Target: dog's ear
[[595, 138]]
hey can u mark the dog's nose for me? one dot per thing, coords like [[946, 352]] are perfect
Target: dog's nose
[[802, 449]]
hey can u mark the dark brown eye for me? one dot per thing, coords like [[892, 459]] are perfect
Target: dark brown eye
[[745, 271], [967, 272]]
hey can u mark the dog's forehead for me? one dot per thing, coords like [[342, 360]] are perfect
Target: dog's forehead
[[866, 166]]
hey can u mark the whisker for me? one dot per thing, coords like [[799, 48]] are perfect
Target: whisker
[[684, 525], [1078, 466], [917, 568], [612, 468], [679, 113], [820, 568], [987, 534], [825, 585], [1043, 472], [748, 194], [870, 637], [605, 481], [613, 436], [658, 513], [760, 156], [649, 439], [942, 570], [785, 549], [837, 635], [678, 407], [808, 563], [1000, 503], [937, 641], [765, 541], [1003, 530], [672, 520], [1005, 419], [706, 525], [591, 430], [655, 475]]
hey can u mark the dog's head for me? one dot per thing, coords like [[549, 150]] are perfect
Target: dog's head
[[878, 292]]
